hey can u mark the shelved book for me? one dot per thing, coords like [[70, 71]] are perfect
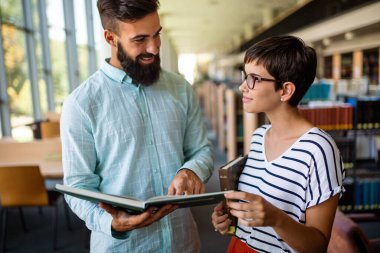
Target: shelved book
[[133, 205], [229, 179], [368, 113], [329, 116]]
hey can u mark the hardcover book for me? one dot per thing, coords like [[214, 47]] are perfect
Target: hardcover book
[[133, 205], [229, 179]]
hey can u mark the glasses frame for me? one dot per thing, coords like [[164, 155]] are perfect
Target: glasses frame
[[256, 78]]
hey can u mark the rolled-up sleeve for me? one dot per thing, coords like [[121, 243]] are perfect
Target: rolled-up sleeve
[[197, 147]]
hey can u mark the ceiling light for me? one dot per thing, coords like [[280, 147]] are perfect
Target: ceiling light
[[349, 35], [326, 42]]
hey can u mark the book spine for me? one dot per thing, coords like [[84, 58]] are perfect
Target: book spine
[[225, 185]]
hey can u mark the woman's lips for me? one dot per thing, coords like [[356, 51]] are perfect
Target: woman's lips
[[246, 99]]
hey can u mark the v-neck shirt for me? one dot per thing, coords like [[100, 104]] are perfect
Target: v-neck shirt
[[289, 148], [308, 173]]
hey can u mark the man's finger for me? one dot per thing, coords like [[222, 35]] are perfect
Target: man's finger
[[199, 188], [155, 216], [180, 189], [171, 190]]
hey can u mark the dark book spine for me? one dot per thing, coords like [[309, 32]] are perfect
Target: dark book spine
[[229, 180], [226, 185]]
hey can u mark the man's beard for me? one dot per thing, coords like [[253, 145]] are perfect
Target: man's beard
[[141, 74]]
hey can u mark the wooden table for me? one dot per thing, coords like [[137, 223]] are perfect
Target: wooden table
[[46, 153]]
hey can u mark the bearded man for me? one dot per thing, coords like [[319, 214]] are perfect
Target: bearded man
[[135, 129]]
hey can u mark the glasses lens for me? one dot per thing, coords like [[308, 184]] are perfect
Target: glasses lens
[[242, 75], [251, 81]]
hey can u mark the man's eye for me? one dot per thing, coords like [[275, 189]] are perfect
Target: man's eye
[[140, 40]]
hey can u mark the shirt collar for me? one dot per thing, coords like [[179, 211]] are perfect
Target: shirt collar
[[114, 73]]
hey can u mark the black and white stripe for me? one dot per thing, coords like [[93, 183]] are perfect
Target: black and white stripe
[[307, 174]]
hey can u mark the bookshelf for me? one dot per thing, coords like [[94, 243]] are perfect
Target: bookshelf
[[347, 122], [222, 117], [251, 122], [366, 174], [234, 116], [213, 97]]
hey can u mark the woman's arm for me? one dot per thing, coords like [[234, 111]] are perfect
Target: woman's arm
[[313, 236]]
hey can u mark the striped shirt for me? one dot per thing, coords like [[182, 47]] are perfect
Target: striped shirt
[[306, 174], [126, 139]]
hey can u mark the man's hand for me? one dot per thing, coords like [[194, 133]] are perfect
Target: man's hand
[[186, 182], [123, 221]]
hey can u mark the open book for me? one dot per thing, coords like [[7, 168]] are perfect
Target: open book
[[133, 205]]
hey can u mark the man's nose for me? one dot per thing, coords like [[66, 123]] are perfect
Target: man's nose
[[153, 46]]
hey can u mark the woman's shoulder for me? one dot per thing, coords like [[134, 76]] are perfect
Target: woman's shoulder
[[319, 138], [319, 133]]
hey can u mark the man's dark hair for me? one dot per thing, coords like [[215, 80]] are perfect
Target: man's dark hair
[[286, 58], [111, 11]]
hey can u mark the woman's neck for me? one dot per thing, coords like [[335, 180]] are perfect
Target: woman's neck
[[288, 123]]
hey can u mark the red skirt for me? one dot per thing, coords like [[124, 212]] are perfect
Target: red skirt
[[237, 246]]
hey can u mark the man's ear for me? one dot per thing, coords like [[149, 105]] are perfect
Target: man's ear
[[288, 89], [110, 37]]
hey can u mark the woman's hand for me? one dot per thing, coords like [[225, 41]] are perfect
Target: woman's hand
[[220, 219], [254, 211]]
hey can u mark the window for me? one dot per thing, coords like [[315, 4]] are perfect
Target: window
[[57, 39], [327, 67], [28, 51], [371, 65], [346, 67], [15, 60]]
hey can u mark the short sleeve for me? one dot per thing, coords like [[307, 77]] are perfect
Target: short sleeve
[[326, 172]]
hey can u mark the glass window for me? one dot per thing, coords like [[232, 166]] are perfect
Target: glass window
[[327, 67], [346, 67], [81, 38], [11, 12], [57, 39], [15, 59], [371, 65], [39, 57]]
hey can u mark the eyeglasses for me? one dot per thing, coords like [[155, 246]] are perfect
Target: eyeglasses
[[252, 79]]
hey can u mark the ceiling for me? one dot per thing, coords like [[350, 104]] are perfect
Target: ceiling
[[219, 26]]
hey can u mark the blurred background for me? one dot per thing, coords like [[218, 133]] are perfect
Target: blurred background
[[48, 47]]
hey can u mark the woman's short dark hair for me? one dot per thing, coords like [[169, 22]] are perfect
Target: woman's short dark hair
[[112, 11], [286, 58]]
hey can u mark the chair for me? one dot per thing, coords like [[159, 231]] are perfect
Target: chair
[[52, 116], [49, 129], [347, 237], [23, 186]]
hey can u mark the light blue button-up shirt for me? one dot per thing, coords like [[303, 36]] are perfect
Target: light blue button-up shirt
[[126, 139]]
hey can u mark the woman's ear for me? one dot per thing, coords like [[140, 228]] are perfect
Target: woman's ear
[[110, 37], [288, 89]]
